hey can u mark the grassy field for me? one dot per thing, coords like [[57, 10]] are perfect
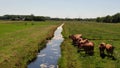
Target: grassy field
[[20, 41], [96, 32]]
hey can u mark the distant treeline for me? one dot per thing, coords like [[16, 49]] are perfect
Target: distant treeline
[[40, 18], [109, 19], [24, 18]]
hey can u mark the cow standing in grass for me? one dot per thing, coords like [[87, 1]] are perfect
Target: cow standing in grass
[[108, 47], [75, 38], [87, 45], [102, 49]]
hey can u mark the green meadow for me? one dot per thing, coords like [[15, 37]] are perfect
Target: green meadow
[[20, 41], [95, 32]]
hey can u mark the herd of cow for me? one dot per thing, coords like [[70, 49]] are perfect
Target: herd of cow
[[88, 46]]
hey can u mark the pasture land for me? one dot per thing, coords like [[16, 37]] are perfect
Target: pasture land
[[20, 41], [97, 33]]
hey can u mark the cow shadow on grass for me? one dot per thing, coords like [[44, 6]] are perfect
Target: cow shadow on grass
[[109, 56], [84, 54]]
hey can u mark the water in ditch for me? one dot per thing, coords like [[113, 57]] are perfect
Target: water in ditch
[[48, 57]]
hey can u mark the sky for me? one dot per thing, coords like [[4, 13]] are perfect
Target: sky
[[60, 8]]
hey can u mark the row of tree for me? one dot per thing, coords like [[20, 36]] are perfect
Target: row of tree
[[110, 19], [24, 17], [40, 18]]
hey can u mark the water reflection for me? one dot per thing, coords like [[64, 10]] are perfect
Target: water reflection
[[48, 57]]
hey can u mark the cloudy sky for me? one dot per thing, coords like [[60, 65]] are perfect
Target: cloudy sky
[[60, 8]]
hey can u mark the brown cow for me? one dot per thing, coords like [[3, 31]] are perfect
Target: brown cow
[[87, 45], [102, 48], [75, 38], [109, 49], [78, 41], [81, 42]]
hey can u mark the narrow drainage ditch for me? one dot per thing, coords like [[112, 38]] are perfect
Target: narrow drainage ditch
[[48, 57]]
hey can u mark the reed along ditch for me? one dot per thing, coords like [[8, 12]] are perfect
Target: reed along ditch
[[48, 57]]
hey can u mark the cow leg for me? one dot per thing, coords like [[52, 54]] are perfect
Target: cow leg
[[108, 52], [85, 49], [112, 50], [91, 50]]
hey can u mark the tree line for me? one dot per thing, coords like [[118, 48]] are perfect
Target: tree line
[[39, 18], [24, 18], [109, 19]]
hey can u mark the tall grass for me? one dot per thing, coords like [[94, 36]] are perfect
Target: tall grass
[[19, 43], [96, 32]]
